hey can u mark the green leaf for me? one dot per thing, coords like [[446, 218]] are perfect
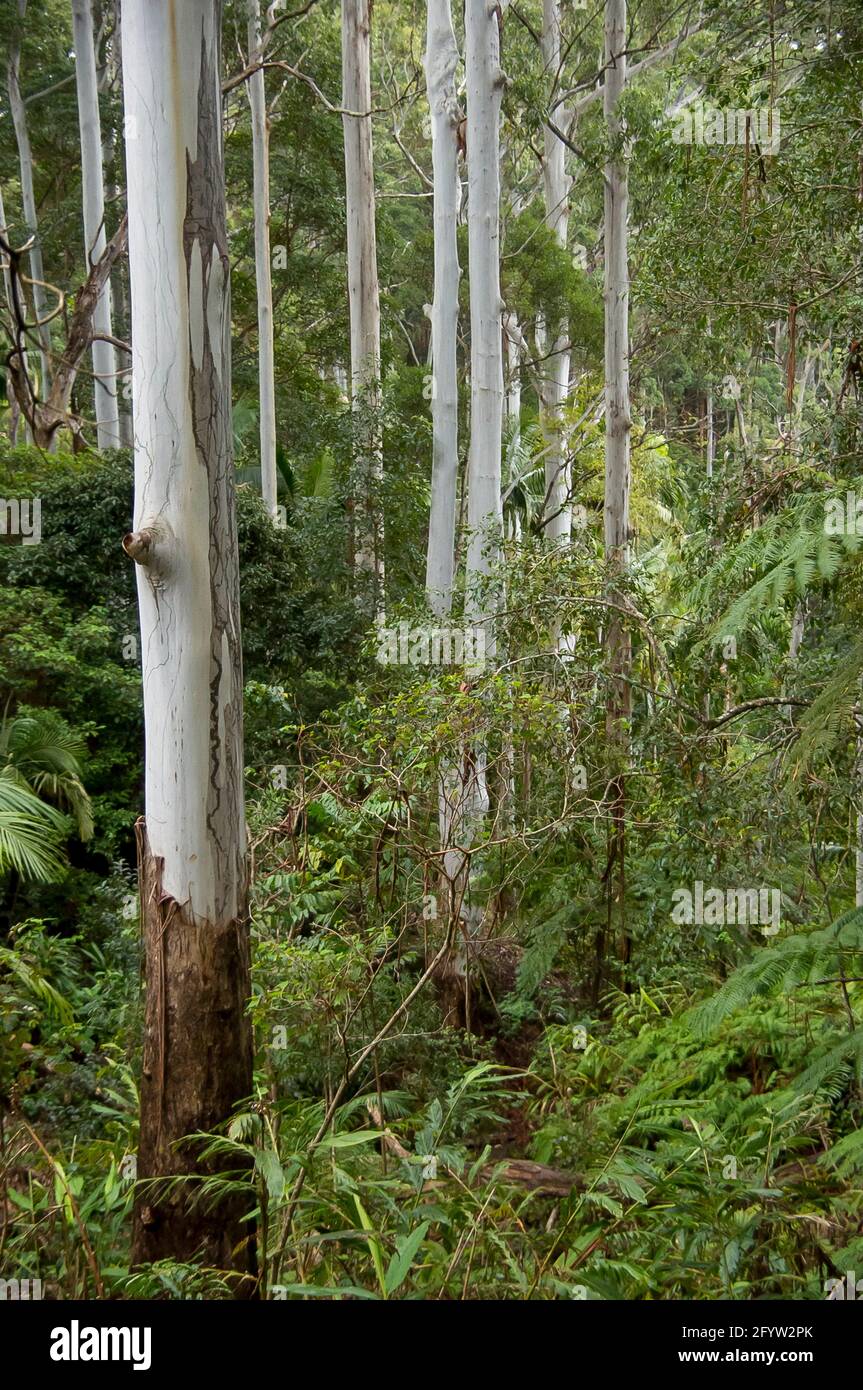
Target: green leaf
[[406, 1249], [268, 1164], [374, 1243], [351, 1138]]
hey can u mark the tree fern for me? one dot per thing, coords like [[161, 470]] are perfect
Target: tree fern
[[805, 958], [788, 553], [829, 720]]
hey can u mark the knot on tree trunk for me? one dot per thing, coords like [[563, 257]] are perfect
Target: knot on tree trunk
[[150, 548]]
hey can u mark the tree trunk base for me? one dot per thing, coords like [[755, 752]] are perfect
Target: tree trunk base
[[197, 1066]]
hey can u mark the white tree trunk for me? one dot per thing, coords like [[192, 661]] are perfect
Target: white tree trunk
[[464, 798], [441, 61], [742, 434], [618, 426], [618, 421], [711, 435], [555, 369], [192, 851], [512, 343], [110, 80], [513, 377], [263, 267], [363, 290], [806, 381], [104, 357], [184, 480], [28, 200], [798, 628], [484, 92]]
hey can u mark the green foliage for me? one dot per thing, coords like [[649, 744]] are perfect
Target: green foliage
[[559, 1091]]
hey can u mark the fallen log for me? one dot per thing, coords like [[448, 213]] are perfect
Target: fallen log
[[536, 1177]]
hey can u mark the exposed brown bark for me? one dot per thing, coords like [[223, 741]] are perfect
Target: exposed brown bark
[[197, 1061]]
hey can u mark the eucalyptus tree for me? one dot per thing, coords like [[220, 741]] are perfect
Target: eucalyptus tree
[[465, 797], [441, 64], [28, 198], [485, 82], [263, 267], [363, 290], [192, 839], [618, 428], [554, 338], [95, 240], [618, 417]]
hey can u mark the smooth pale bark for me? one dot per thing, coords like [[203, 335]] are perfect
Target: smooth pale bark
[[711, 436], [441, 61], [28, 200], [798, 627], [618, 422], [484, 93], [618, 425], [513, 376], [363, 290], [555, 369], [263, 268], [109, 77], [742, 434], [512, 343], [192, 843], [95, 240], [809, 369], [465, 798]]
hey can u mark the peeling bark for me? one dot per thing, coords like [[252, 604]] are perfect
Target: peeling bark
[[197, 1058]]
